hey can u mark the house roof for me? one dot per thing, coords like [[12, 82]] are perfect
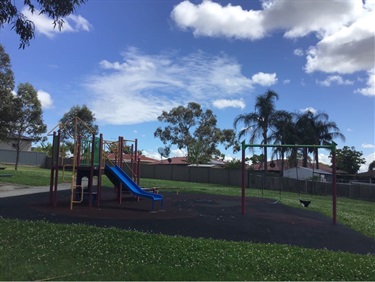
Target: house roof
[[277, 167], [127, 158], [183, 161], [175, 161], [370, 174], [22, 138]]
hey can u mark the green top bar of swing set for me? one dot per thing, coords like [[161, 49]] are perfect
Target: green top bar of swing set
[[331, 146]]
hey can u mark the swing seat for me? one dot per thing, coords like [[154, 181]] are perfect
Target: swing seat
[[305, 203]]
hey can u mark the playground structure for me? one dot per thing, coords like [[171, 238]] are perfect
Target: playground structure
[[90, 161], [331, 147]]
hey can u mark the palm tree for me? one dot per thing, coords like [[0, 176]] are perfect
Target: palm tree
[[258, 122], [282, 132], [325, 131], [305, 132], [314, 129]]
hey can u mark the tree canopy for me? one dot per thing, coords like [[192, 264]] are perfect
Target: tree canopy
[[28, 118], [371, 166], [349, 160], [81, 116], [6, 95], [258, 123], [195, 130], [24, 27], [282, 127], [313, 129]]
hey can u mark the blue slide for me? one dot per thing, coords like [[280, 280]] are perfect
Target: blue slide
[[120, 176]]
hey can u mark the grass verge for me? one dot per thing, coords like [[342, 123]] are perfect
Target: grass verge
[[45, 251]]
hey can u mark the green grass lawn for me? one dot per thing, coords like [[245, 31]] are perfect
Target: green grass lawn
[[45, 251], [31, 176]]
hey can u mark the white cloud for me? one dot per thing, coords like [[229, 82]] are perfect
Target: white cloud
[[80, 23], [178, 152], [342, 55], [298, 52], [368, 146], [324, 158], [369, 159], [151, 154], [337, 79], [348, 49], [344, 29], [213, 20], [45, 25], [370, 89], [349, 130], [286, 81], [308, 109], [264, 79], [140, 87], [225, 103], [45, 99]]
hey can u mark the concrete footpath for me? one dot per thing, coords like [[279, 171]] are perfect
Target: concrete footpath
[[12, 190]]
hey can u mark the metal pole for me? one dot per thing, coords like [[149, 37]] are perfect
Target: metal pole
[[91, 180], [136, 161], [243, 180], [57, 169], [100, 165], [334, 189], [53, 155], [121, 149]]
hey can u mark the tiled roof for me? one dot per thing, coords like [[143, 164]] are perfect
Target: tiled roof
[[174, 160], [183, 161], [127, 158]]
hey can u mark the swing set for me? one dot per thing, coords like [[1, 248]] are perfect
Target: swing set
[[331, 147]]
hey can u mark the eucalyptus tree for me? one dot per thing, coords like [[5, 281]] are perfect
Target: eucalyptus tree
[[195, 130], [83, 118], [80, 120], [24, 27], [257, 123], [6, 95], [28, 119]]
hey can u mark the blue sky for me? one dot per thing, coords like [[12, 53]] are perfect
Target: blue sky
[[130, 60]]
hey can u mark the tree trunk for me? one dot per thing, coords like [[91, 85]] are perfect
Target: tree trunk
[[17, 155], [317, 158], [304, 163], [265, 151], [282, 163]]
